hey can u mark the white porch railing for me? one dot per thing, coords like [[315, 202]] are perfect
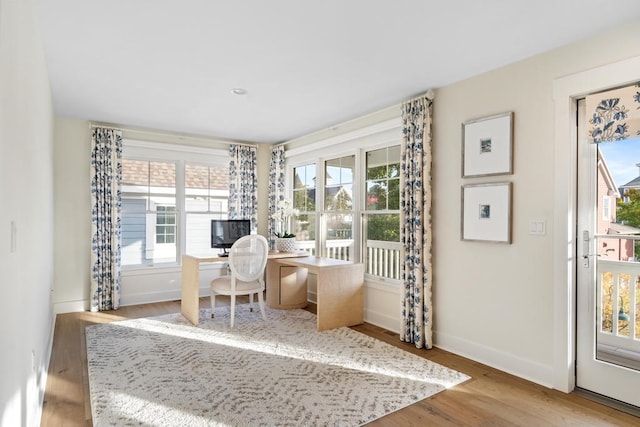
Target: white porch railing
[[382, 258], [618, 299]]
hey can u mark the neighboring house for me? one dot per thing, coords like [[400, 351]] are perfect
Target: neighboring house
[[612, 249], [634, 184]]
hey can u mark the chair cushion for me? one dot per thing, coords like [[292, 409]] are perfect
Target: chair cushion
[[223, 284]]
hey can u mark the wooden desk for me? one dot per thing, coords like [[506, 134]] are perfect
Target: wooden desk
[[340, 290], [190, 304]]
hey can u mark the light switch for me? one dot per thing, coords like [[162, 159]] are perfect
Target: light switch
[[537, 227]]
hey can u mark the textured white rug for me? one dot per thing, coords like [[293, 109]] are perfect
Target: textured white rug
[[163, 371]]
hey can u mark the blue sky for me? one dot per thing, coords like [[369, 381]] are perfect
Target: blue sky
[[621, 158]]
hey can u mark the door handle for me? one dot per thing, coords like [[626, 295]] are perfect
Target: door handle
[[586, 240]]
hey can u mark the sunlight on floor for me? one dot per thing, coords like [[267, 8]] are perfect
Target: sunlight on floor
[[308, 352]]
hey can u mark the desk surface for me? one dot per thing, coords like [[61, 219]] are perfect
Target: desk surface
[[313, 262], [218, 258]]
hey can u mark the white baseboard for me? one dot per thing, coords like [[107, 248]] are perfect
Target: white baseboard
[[70, 306], [151, 297], [384, 321], [523, 368]]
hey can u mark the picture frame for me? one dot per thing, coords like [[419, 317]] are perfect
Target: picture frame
[[487, 146], [486, 212]]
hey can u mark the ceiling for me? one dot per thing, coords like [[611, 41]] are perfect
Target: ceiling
[[305, 64]]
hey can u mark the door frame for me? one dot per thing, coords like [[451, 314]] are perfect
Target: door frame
[[566, 90]]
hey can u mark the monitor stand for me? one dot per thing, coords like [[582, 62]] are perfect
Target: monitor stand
[[224, 253]]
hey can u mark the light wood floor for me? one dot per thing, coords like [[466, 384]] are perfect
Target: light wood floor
[[490, 398]]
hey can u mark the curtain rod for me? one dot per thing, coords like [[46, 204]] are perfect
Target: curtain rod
[[429, 94], [93, 126], [169, 134]]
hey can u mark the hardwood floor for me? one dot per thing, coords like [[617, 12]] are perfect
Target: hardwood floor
[[490, 398]]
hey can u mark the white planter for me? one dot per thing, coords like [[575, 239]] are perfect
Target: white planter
[[286, 244]]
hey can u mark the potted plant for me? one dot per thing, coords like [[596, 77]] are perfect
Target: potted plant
[[285, 239]]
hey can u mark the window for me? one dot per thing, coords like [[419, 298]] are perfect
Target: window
[[357, 209], [148, 207], [167, 205], [206, 198], [381, 217], [338, 208], [606, 208], [304, 201], [166, 224]]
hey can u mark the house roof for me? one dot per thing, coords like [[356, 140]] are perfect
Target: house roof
[[634, 183], [615, 228]]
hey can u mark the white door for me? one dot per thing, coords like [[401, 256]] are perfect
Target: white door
[[608, 276]]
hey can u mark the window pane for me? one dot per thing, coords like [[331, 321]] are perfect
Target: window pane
[[382, 245], [338, 198], [304, 192], [206, 188], [135, 172], [377, 164], [394, 194], [198, 238], [305, 231], [394, 161], [382, 179], [376, 195], [206, 198], [149, 217], [339, 243]]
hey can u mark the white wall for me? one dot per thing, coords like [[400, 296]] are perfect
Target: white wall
[[494, 303], [26, 194], [72, 202]]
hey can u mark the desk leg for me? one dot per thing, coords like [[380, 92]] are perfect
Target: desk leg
[[340, 297], [190, 289]]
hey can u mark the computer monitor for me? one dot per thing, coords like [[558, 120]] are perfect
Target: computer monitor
[[224, 232]]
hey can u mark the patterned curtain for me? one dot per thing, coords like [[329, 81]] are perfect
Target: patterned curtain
[[106, 179], [614, 115], [276, 187], [415, 222], [243, 184]]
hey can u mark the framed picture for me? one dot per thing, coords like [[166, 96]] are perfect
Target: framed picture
[[487, 146], [486, 212]]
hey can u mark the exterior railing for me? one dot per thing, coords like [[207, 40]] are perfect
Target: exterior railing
[[382, 259], [618, 303]]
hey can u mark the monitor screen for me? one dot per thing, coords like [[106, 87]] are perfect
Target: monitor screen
[[224, 232]]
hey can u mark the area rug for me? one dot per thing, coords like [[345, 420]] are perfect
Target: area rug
[[163, 371]]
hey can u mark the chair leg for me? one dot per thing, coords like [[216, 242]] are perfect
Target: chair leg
[[213, 302], [233, 308], [261, 303], [251, 303]]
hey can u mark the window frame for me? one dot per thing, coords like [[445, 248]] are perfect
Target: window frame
[[134, 149], [381, 135]]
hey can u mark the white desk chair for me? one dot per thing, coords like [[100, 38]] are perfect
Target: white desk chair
[[247, 261]]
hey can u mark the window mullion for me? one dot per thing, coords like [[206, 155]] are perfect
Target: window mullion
[[181, 217]]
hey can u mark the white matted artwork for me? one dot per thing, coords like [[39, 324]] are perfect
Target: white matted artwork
[[487, 146], [486, 212]]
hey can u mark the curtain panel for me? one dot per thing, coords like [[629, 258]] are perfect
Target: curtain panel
[[106, 201], [614, 115], [276, 188], [415, 222], [243, 183]]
